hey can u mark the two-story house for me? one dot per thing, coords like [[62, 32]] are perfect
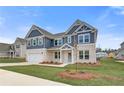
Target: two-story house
[[20, 47], [77, 44]]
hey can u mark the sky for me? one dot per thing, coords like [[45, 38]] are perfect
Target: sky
[[16, 21]]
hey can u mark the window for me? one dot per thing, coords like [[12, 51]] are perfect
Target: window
[[80, 39], [17, 46], [57, 55], [86, 54], [40, 41], [84, 38], [59, 42], [34, 42], [56, 42], [80, 54], [69, 39], [87, 38]]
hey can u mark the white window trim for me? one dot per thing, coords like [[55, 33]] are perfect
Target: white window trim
[[58, 42], [83, 38], [69, 37]]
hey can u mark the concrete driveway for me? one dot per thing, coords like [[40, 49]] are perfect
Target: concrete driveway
[[17, 79]]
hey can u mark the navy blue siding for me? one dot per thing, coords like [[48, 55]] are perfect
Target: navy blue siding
[[34, 33]]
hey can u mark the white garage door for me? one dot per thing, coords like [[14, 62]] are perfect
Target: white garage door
[[34, 58]]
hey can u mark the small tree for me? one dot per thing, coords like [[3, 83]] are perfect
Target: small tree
[[75, 47]]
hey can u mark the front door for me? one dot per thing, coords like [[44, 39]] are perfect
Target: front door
[[69, 57]]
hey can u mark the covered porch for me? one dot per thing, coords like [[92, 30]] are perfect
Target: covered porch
[[63, 54]]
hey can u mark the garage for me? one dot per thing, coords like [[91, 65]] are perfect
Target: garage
[[34, 58]]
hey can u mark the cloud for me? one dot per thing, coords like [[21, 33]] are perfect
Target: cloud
[[6, 40], [119, 10]]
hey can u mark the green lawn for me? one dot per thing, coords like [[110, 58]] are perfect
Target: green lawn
[[11, 60], [108, 67]]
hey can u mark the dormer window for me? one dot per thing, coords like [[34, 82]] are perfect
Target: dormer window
[[69, 39]]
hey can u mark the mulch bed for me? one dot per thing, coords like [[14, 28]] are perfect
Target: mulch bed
[[77, 75], [52, 63], [90, 64], [85, 76]]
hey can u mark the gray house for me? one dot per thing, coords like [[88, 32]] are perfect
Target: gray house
[[77, 44]]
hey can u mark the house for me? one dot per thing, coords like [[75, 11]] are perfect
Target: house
[[17, 49], [6, 50], [101, 55], [20, 47], [120, 54], [77, 44]]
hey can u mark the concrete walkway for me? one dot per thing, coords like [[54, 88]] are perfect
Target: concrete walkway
[[14, 64], [62, 65], [8, 78], [120, 61], [26, 63]]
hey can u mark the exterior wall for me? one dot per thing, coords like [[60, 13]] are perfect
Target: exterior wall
[[4, 54], [21, 51], [122, 45], [92, 53], [37, 46]]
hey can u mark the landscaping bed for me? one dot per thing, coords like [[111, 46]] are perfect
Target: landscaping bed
[[51, 62], [77, 75]]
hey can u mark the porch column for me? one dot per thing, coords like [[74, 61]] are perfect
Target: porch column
[[60, 56], [72, 56]]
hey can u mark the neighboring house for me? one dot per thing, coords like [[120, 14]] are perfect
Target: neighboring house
[[120, 54], [77, 44], [17, 49], [6, 50], [20, 47], [101, 55]]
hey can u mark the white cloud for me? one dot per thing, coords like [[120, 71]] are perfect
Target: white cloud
[[118, 10], [6, 40]]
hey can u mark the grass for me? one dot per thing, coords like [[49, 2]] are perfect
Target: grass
[[11, 60], [108, 67]]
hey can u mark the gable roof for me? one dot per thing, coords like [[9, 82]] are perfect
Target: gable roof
[[21, 40], [78, 23], [42, 31]]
